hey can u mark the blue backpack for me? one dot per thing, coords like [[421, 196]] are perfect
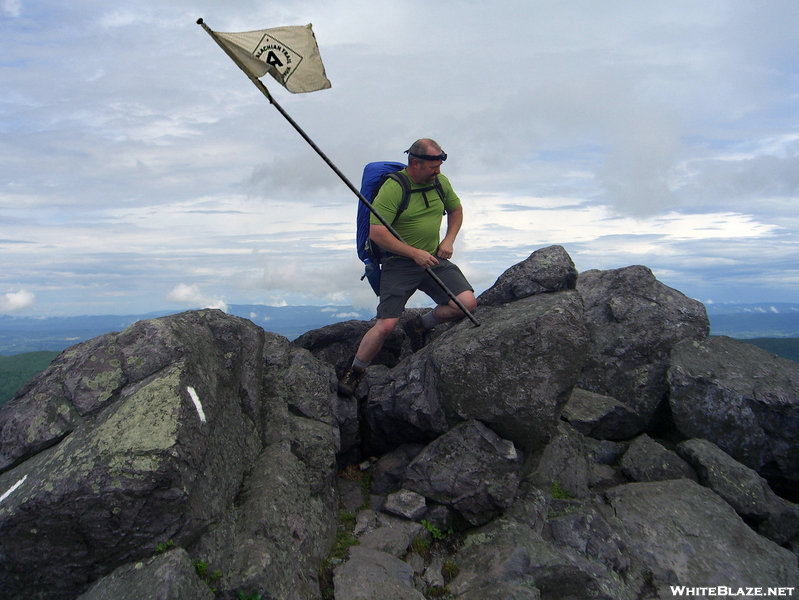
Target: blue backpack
[[374, 176]]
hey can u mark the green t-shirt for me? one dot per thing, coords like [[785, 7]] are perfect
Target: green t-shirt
[[419, 224]]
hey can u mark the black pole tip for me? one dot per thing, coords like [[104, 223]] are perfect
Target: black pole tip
[[200, 21]]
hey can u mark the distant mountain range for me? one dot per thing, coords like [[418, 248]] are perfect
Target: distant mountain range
[[32, 334], [749, 321]]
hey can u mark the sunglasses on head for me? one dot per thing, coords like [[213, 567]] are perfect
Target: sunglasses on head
[[442, 157]]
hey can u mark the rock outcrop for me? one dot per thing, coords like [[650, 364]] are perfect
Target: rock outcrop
[[588, 440], [153, 437], [743, 399]]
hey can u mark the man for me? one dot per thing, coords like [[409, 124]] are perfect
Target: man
[[404, 269]]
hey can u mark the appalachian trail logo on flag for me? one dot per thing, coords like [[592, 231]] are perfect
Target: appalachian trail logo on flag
[[289, 54]]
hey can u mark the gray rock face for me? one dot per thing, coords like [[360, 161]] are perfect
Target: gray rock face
[[600, 417], [168, 420], [684, 534], [470, 468], [647, 460], [635, 321], [169, 576], [744, 490], [403, 406], [564, 463], [277, 534], [743, 399], [370, 574], [516, 371], [388, 472], [406, 503], [546, 270]]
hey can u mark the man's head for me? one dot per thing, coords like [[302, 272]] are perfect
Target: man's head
[[424, 160]]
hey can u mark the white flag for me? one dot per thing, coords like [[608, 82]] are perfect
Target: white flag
[[289, 54]]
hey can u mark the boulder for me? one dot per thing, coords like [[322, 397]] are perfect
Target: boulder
[[634, 323], [563, 465], [337, 343], [600, 417], [168, 576], [406, 503], [168, 421], [510, 555], [159, 457], [370, 574], [392, 535], [387, 473], [648, 460], [276, 535], [547, 270], [469, 468], [516, 371], [403, 406], [743, 399], [686, 535], [743, 489]]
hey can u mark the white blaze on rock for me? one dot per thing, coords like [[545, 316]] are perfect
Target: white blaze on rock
[[13, 487], [196, 399]]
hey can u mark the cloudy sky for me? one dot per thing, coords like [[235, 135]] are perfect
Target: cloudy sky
[[141, 171]]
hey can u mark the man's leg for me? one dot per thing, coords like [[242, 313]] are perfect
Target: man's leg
[[444, 313], [417, 328], [374, 338], [370, 345]]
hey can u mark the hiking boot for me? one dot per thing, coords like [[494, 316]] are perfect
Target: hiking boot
[[351, 380], [416, 333]]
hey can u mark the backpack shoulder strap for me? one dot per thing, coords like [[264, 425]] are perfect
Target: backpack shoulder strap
[[405, 184]]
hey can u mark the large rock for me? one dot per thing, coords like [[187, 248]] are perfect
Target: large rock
[[371, 574], [277, 534], [154, 434], [470, 468], [743, 489], [403, 406], [634, 323], [648, 460], [743, 399], [600, 417], [547, 270], [564, 464], [168, 576], [511, 555], [516, 371], [686, 535], [164, 454]]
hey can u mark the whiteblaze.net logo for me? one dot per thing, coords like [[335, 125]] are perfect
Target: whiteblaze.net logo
[[723, 591]]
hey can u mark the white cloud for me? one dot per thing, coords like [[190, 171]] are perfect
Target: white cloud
[[14, 302], [192, 296], [13, 8], [630, 133]]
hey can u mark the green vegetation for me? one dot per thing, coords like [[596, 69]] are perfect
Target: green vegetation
[[782, 347], [435, 531], [201, 567], [163, 547], [19, 369], [242, 596], [559, 492], [420, 545], [437, 591], [344, 541], [451, 569]]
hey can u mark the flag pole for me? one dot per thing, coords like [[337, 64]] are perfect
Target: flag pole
[[259, 84]]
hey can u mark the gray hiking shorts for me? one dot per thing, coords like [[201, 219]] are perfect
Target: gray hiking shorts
[[401, 277]]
